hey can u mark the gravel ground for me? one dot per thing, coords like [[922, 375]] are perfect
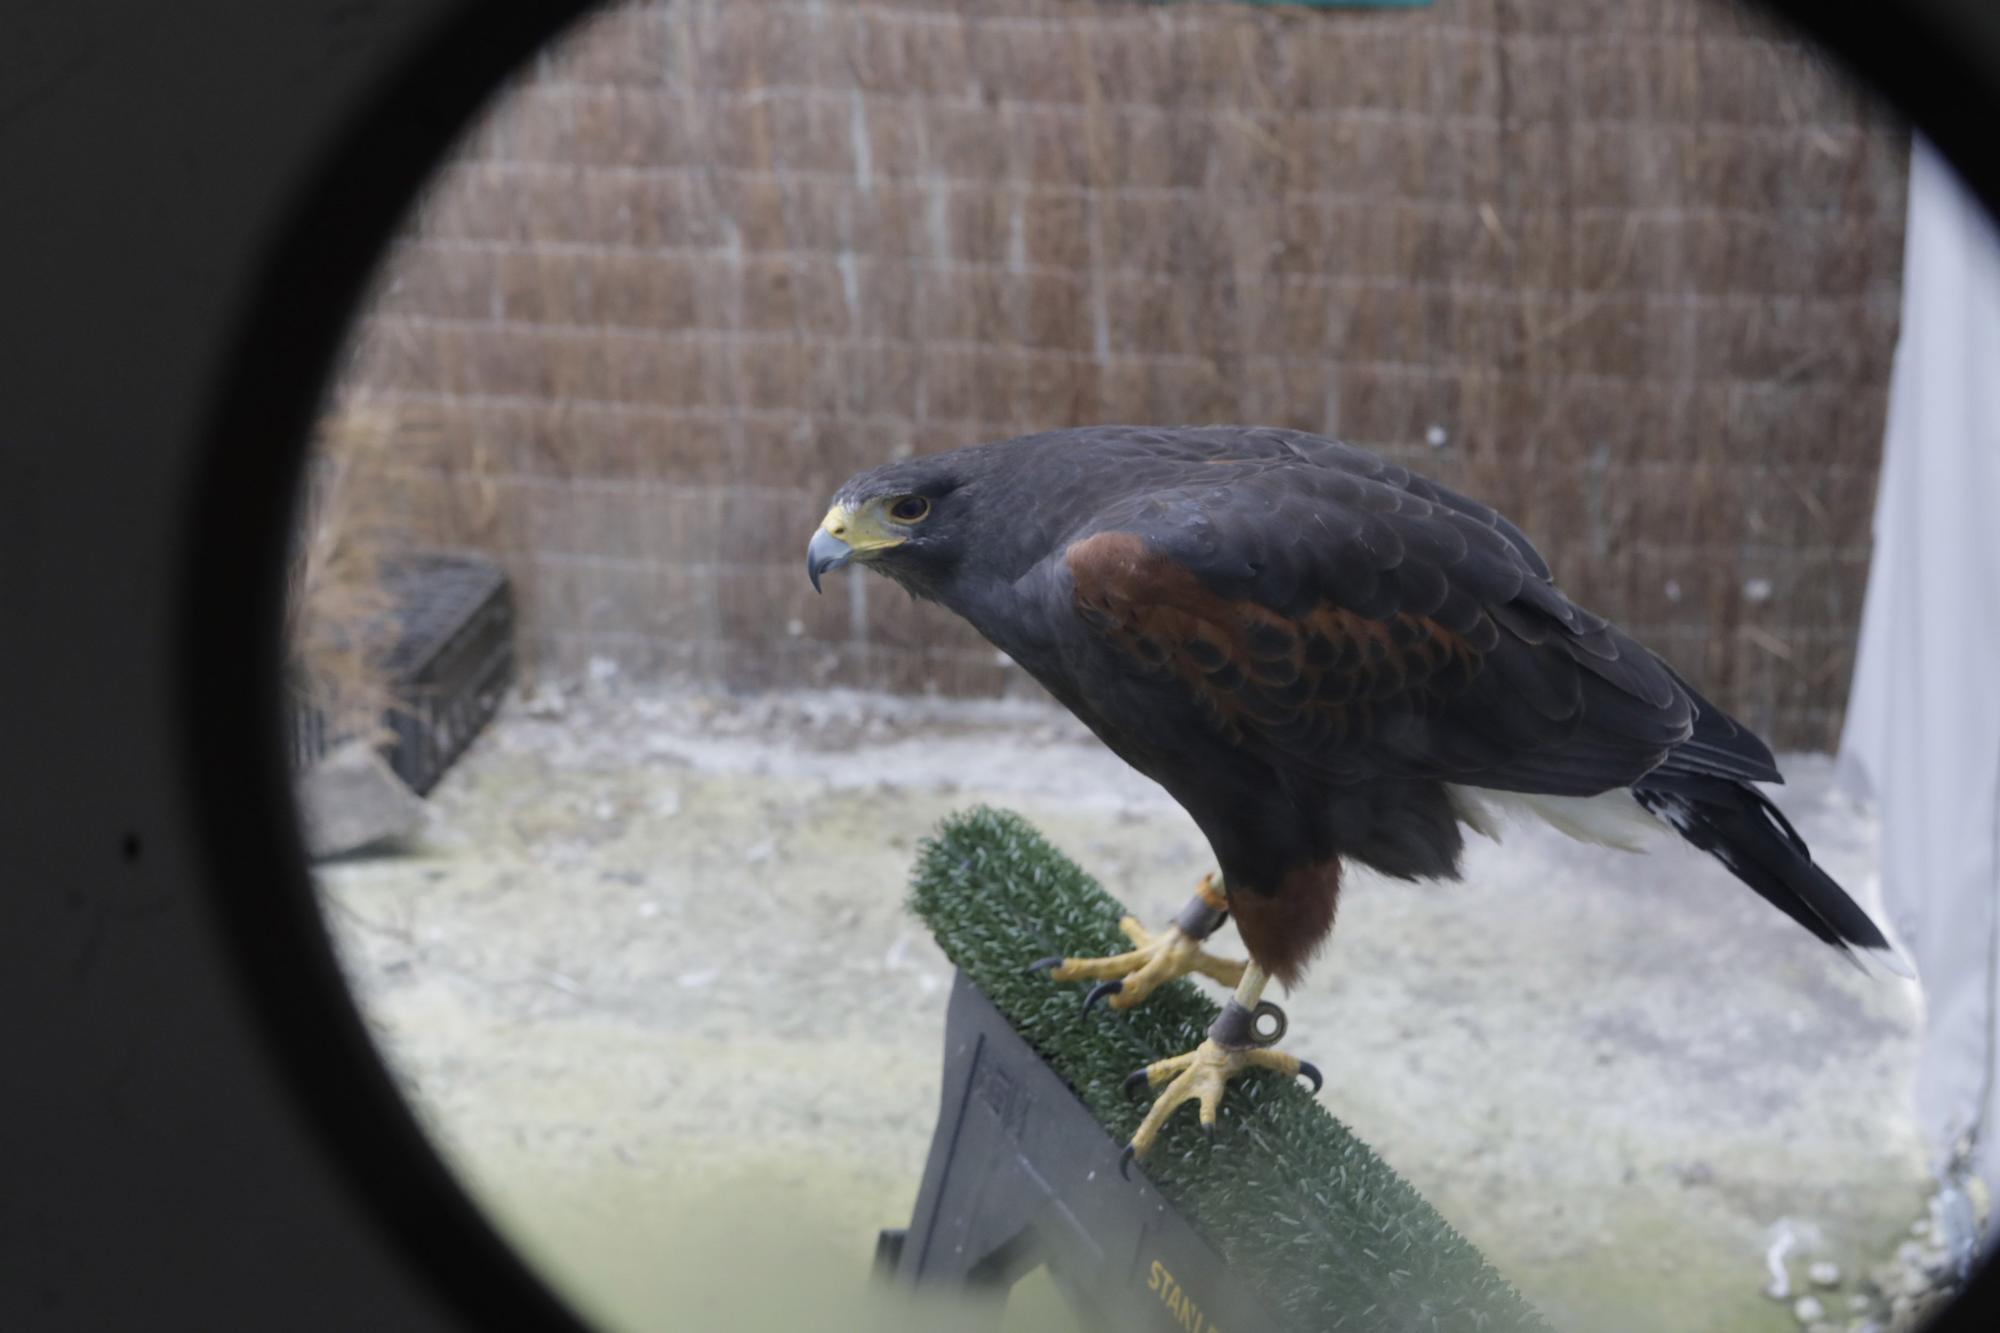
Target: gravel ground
[[648, 978]]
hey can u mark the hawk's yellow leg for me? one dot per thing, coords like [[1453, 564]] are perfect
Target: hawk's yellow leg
[[1128, 978], [1201, 1074]]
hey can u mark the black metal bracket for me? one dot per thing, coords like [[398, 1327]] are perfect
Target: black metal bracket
[[1021, 1175]]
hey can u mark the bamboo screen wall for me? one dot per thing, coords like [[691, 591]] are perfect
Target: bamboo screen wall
[[1627, 268]]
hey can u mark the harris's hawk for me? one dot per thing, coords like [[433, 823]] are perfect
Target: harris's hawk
[[1325, 658]]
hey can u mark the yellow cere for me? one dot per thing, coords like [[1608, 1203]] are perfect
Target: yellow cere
[[864, 531]]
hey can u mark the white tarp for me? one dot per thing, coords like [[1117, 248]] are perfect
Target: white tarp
[[1923, 722]]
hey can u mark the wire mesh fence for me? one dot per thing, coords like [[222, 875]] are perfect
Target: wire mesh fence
[[1628, 270]]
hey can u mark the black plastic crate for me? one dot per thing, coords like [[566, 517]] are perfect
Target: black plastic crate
[[450, 659]]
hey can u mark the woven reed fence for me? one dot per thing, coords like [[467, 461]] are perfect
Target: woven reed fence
[[1627, 268]]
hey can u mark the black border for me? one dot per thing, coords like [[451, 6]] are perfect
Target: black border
[[1937, 61], [229, 674], [1928, 55]]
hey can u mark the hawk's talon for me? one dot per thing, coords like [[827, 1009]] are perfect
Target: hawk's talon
[[1200, 1076], [1152, 961], [1135, 1080], [1099, 991], [1125, 1161], [1311, 1071]]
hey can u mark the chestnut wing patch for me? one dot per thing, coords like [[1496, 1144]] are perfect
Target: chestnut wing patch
[[1455, 662], [1316, 682]]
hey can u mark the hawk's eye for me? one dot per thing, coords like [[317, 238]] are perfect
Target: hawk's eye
[[910, 509]]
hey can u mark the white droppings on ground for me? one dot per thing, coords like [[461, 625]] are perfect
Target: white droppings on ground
[[652, 958]]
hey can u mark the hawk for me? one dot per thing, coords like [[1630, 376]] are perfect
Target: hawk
[[1326, 659]]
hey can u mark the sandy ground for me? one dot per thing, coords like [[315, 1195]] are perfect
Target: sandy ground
[[649, 979]]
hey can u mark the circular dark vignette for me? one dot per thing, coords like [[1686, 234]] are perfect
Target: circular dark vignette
[[232, 598], [1939, 59]]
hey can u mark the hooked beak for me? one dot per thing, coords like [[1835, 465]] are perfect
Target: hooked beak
[[825, 552]]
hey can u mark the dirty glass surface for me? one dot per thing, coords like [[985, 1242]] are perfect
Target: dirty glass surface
[[641, 959]]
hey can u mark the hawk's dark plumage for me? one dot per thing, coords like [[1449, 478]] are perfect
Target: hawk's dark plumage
[[1311, 648]]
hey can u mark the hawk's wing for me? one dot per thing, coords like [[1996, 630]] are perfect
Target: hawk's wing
[[1335, 613]]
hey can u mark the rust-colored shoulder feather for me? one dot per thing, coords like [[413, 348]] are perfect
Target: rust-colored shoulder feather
[[1317, 675]]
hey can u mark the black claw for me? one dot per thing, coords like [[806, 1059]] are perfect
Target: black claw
[[1049, 964], [1312, 1072], [1099, 991], [1208, 1132], [1125, 1161], [1135, 1079]]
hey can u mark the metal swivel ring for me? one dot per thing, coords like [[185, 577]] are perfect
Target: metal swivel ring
[[1275, 1033]]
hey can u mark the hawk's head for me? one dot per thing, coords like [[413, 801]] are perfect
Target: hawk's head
[[949, 524], [908, 520]]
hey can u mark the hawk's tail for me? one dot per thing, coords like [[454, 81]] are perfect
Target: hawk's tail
[[1733, 822]]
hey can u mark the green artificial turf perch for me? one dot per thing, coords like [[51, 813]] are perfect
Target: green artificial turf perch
[[1329, 1235]]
